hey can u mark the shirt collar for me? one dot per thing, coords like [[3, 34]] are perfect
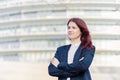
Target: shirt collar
[[76, 44]]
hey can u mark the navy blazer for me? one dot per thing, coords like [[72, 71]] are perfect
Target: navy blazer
[[78, 70]]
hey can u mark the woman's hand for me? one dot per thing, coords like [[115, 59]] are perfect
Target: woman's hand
[[55, 61]]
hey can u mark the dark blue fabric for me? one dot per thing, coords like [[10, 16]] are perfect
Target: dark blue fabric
[[78, 70]]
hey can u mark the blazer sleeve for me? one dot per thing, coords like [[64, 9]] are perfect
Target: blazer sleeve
[[54, 71], [80, 65]]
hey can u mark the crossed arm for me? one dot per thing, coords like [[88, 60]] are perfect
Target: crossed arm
[[63, 69], [54, 71]]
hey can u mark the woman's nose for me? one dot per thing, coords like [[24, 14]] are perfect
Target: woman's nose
[[70, 29]]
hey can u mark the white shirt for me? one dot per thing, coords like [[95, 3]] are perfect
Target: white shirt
[[71, 53]]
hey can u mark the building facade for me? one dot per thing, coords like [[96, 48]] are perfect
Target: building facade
[[31, 30]]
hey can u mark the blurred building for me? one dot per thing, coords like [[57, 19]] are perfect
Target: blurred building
[[31, 30]]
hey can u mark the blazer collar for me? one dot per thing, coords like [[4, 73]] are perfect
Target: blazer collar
[[77, 53], [66, 51]]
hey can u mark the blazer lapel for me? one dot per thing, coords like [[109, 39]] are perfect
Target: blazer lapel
[[77, 53], [66, 51]]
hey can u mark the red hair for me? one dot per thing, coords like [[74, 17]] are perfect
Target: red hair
[[86, 41]]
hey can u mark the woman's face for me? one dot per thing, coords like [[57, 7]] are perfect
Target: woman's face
[[73, 31]]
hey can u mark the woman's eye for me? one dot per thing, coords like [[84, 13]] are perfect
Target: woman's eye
[[68, 27], [73, 27]]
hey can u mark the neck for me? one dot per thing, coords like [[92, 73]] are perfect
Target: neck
[[75, 41]]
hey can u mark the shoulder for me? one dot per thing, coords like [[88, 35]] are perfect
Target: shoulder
[[61, 49], [63, 46], [92, 50]]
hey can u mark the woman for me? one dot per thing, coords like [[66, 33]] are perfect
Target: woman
[[72, 62]]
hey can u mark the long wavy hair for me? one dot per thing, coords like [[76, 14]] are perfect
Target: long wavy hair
[[86, 41]]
